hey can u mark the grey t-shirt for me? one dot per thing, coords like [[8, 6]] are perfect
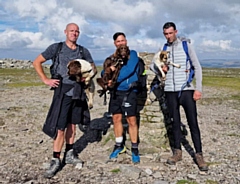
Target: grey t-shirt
[[65, 55]]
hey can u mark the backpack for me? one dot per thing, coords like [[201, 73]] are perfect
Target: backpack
[[142, 77], [55, 59], [188, 61]]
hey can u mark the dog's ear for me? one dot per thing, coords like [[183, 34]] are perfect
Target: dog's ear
[[70, 62], [161, 56], [107, 63], [116, 53], [128, 52]]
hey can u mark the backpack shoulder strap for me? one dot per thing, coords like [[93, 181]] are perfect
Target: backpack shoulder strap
[[165, 47], [191, 68], [55, 59], [185, 48], [58, 50], [81, 51]]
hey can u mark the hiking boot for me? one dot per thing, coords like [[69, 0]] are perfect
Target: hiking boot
[[117, 150], [135, 155], [177, 156], [55, 165], [200, 162], [71, 158]]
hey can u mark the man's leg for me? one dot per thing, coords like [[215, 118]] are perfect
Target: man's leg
[[70, 133], [130, 110], [114, 108], [117, 122], [70, 157], [133, 128], [55, 163], [78, 110], [69, 137], [190, 109], [59, 140], [133, 133], [174, 111], [118, 131]]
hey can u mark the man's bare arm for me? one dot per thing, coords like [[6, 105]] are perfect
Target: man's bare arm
[[37, 64]]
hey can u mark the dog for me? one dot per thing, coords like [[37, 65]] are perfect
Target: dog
[[81, 70], [160, 62], [121, 55], [90, 91]]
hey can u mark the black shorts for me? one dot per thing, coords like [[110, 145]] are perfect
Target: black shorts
[[71, 112], [123, 102]]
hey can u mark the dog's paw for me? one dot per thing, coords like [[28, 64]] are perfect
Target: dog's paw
[[90, 106], [87, 83]]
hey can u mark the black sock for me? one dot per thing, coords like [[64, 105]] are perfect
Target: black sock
[[68, 147], [119, 144], [135, 148], [56, 154], [135, 145]]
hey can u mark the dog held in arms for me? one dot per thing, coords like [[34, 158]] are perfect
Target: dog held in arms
[[160, 62], [81, 70], [117, 60]]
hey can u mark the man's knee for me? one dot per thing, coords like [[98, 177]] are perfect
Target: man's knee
[[60, 133], [132, 121], [117, 118]]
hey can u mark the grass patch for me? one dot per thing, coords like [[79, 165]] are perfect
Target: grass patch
[[217, 78], [225, 80], [211, 182], [219, 82], [213, 163], [115, 170], [186, 182], [222, 78], [19, 78], [233, 135]]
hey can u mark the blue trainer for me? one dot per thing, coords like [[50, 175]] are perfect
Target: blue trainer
[[117, 150], [135, 158]]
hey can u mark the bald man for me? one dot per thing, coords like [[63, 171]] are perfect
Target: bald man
[[65, 111]]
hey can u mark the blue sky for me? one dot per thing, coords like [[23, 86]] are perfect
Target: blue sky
[[27, 27]]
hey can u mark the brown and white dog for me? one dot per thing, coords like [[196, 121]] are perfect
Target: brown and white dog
[[160, 62], [121, 55], [81, 70]]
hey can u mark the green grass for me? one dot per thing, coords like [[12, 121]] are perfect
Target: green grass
[[186, 182], [228, 79], [234, 135], [211, 182], [18, 78], [222, 78], [115, 170]]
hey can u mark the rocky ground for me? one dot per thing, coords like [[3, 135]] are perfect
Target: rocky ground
[[26, 151]]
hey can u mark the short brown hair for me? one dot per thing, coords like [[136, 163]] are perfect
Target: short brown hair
[[117, 34], [168, 25]]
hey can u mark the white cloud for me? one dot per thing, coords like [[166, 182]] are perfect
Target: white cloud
[[35, 24], [220, 44]]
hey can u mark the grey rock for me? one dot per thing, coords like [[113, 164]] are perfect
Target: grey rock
[[160, 182], [130, 171]]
